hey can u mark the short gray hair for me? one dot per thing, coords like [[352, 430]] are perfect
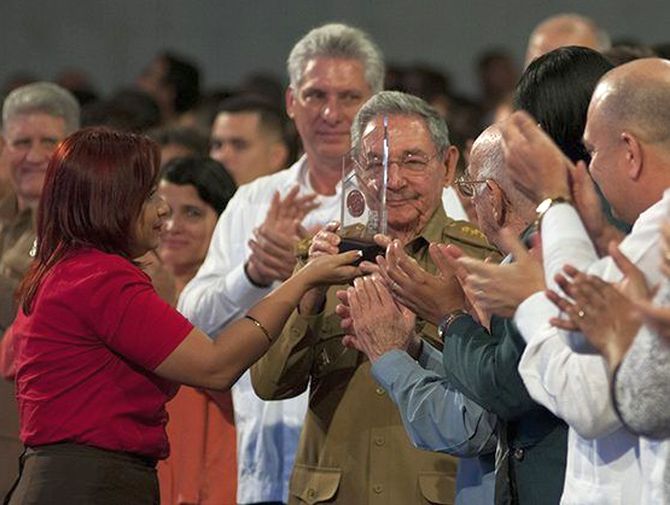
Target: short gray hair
[[45, 97], [337, 40], [397, 103]]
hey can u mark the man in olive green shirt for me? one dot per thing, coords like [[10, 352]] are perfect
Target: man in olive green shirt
[[353, 447]]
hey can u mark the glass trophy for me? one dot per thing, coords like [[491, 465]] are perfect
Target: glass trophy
[[364, 182]]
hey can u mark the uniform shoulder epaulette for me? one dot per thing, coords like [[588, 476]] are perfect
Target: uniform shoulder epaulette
[[468, 234]]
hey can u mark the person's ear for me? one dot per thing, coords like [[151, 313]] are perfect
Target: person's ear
[[449, 162], [634, 154], [278, 155], [290, 101], [497, 201]]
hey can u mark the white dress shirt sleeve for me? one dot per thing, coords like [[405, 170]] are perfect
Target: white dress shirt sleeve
[[574, 387]]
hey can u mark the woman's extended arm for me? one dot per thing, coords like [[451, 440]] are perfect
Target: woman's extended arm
[[216, 364]]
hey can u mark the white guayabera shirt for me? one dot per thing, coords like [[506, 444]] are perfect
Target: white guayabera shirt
[[605, 462]]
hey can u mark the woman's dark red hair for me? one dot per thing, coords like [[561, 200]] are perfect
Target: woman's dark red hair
[[94, 189]]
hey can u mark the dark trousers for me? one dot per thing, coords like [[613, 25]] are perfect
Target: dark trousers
[[80, 475]]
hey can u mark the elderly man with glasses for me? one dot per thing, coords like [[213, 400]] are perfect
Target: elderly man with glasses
[[353, 448]]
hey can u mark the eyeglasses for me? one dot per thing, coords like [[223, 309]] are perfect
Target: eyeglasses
[[467, 187], [412, 163]]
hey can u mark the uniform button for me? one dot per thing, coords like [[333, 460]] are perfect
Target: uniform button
[[378, 488], [311, 493], [379, 441], [379, 391], [519, 454]]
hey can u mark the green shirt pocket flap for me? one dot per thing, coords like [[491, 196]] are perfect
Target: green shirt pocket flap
[[314, 485]]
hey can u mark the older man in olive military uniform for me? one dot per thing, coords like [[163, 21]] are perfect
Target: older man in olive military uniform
[[353, 447], [35, 118]]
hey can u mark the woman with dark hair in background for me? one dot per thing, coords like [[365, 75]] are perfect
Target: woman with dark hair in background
[[556, 89], [202, 466], [98, 353]]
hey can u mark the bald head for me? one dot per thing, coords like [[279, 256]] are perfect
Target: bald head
[[498, 203], [636, 97], [565, 30], [628, 132], [487, 161]]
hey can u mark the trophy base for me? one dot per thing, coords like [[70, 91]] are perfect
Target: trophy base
[[370, 249]]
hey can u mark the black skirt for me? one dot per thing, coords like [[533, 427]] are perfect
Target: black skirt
[[76, 474]]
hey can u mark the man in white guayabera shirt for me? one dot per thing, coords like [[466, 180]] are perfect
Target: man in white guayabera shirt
[[629, 141], [333, 70]]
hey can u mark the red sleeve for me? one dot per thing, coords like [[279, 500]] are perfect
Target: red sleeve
[[128, 315]]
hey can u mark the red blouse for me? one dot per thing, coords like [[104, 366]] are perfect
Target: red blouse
[[85, 355]]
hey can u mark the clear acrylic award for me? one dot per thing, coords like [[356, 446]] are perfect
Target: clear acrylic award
[[364, 184]]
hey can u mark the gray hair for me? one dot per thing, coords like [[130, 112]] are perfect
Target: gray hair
[[337, 40], [397, 103], [45, 97]]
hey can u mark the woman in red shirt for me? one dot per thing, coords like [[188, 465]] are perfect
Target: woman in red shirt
[[98, 353]]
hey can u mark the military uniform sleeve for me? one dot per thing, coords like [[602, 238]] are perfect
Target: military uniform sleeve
[[7, 302], [284, 371], [484, 365]]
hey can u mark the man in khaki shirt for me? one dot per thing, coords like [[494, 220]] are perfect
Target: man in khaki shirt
[[353, 447], [35, 118]]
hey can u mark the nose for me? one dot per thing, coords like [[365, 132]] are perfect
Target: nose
[[331, 111], [395, 177], [38, 153]]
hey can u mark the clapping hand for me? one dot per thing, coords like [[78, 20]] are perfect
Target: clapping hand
[[272, 246], [428, 296], [604, 312], [499, 289], [536, 164], [374, 322]]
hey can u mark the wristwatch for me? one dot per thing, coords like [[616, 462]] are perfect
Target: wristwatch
[[446, 321], [547, 204]]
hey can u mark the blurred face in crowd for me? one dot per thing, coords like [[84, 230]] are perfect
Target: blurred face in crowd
[[30, 140], [150, 223], [247, 150], [417, 173], [324, 104], [188, 230]]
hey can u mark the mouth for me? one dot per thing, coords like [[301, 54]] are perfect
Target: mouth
[[32, 171], [332, 135], [172, 243]]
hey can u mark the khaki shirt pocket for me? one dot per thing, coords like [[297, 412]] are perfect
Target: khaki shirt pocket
[[313, 485], [437, 488], [330, 355]]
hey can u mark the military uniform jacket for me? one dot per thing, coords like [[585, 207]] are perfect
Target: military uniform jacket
[[353, 448], [532, 441], [17, 236]]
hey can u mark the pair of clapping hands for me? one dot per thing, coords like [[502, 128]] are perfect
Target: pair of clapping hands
[[379, 310], [611, 314]]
